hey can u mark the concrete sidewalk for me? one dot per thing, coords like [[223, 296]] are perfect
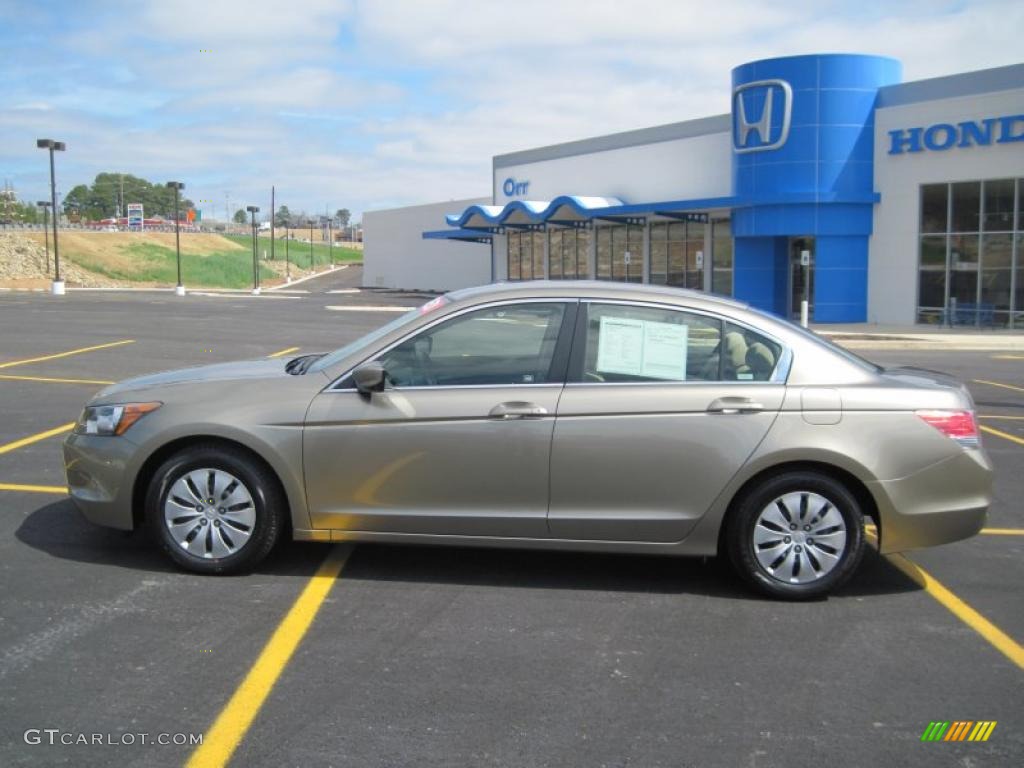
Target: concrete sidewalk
[[873, 336]]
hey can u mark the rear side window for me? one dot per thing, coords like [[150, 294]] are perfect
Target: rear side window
[[748, 355], [625, 343]]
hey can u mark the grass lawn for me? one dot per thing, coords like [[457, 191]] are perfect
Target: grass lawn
[[149, 263], [298, 252]]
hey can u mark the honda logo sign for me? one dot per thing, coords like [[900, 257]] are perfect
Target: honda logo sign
[[754, 105]]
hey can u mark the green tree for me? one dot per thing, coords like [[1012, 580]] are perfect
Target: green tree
[[283, 217], [239, 217], [343, 215]]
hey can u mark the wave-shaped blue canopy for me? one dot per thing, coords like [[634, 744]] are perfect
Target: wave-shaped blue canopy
[[563, 207]]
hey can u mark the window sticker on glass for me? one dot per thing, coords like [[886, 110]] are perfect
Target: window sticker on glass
[[620, 346], [643, 348], [664, 351]]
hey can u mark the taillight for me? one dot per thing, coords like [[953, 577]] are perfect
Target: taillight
[[957, 425]]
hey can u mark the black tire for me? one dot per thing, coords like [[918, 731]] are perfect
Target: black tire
[[740, 533], [268, 502]]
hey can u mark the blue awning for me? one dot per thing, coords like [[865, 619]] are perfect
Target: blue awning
[[480, 222], [461, 235]]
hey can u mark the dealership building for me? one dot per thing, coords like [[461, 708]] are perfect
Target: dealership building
[[830, 181]]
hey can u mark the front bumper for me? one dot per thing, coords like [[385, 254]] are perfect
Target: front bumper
[[945, 502], [99, 472]]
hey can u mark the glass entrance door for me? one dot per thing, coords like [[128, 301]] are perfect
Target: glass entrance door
[[801, 276]]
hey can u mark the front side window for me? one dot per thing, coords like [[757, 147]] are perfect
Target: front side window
[[503, 345]]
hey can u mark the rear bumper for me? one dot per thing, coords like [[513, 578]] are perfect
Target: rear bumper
[[945, 502], [97, 470]]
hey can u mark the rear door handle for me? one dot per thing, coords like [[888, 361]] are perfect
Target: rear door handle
[[734, 405], [517, 410]]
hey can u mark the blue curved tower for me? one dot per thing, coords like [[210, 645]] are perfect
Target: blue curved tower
[[802, 173]]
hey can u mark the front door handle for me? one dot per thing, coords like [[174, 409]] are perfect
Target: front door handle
[[517, 410], [734, 405]]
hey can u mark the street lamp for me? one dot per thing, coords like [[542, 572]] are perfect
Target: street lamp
[[253, 210], [177, 186], [45, 205], [311, 261], [54, 146]]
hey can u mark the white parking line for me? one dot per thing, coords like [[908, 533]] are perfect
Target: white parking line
[[347, 290], [367, 308]]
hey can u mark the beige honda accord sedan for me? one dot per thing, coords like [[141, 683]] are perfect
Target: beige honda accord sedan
[[557, 415]]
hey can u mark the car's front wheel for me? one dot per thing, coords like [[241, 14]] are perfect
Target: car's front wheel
[[797, 536], [214, 509]]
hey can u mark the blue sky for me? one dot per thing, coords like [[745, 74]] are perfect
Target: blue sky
[[376, 104]]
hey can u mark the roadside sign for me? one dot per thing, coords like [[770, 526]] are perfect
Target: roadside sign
[[805, 258], [700, 259], [629, 257], [135, 218]]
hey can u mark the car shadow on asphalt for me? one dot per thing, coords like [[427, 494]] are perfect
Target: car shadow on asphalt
[[59, 530]]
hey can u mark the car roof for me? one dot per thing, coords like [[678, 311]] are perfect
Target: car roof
[[605, 289]]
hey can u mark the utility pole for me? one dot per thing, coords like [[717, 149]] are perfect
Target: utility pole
[[273, 215]]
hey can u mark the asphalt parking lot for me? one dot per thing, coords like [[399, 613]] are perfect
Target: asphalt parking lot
[[433, 656]]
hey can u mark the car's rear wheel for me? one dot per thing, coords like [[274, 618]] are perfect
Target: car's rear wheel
[[797, 536], [214, 509]]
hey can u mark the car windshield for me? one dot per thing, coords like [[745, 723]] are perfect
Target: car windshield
[[341, 353]]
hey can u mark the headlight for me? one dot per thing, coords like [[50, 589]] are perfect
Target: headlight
[[111, 419]]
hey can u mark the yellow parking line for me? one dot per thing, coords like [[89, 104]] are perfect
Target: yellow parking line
[[997, 416], [233, 722], [9, 377], [12, 363], [33, 488], [35, 438], [1004, 435], [1008, 357], [995, 636], [999, 384], [285, 352], [1002, 531]]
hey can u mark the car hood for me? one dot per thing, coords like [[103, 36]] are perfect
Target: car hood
[[242, 369]]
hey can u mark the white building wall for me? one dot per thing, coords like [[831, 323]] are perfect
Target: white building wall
[[396, 255], [678, 169], [893, 255]]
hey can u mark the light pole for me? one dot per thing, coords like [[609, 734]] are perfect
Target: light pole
[[253, 210], [330, 243], [54, 146], [311, 260], [45, 205], [287, 262], [177, 186]]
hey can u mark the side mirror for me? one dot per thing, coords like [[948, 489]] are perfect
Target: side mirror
[[370, 377]]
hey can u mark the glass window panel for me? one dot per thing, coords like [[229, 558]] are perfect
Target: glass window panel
[[997, 266], [659, 232], [659, 261], [583, 253], [998, 206], [932, 273], [555, 254], [966, 206], [538, 254], [1020, 206], [694, 275], [963, 277], [514, 265], [604, 253], [635, 246], [642, 344], [511, 344], [618, 253], [568, 254], [677, 231], [934, 207], [676, 263], [721, 282], [695, 230]]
